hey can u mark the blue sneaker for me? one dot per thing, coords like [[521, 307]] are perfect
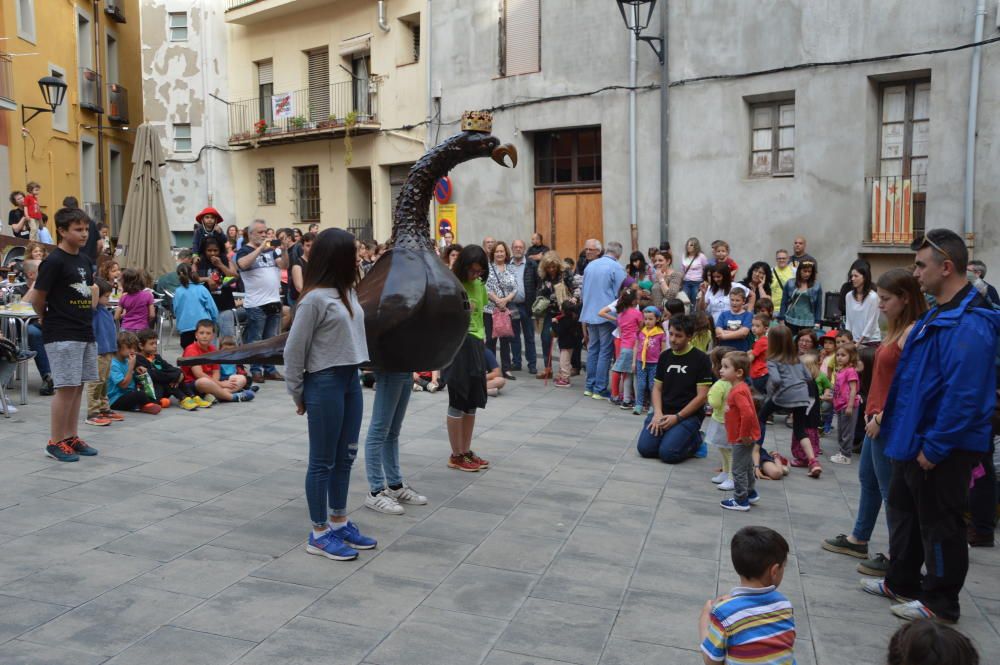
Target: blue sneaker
[[702, 450], [244, 396], [733, 504], [753, 497], [331, 546], [81, 448], [62, 451], [352, 535]]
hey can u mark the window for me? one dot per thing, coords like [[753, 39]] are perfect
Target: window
[[568, 156], [408, 39], [26, 20], [112, 56], [905, 130], [306, 186], [520, 37], [319, 83], [772, 139], [178, 24], [84, 41], [182, 138], [265, 187], [265, 90], [60, 117], [415, 30]]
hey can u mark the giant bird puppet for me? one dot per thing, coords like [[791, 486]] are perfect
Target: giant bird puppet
[[416, 310]]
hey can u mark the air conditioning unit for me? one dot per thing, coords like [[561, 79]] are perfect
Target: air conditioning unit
[[115, 10]]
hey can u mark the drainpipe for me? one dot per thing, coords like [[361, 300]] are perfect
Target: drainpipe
[[430, 74], [665, 127], [102, 200], [633, 64], [970, 137], [382, 22]]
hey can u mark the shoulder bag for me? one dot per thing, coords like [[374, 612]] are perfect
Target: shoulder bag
[[503, 326]]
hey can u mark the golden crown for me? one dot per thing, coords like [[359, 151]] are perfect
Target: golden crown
[[477, 121]]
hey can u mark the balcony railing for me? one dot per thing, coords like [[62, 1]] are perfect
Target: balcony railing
[[897, 206], [305, 114], [90, 90], [115, 10], [362, 228], [236, 4], [117, 103], [7, 82]]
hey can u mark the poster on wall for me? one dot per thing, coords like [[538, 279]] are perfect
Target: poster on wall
[[282, 106], [447, 224]]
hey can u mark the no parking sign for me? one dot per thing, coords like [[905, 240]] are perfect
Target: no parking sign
[[443, 190]]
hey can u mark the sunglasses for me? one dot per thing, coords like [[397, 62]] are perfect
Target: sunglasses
[[925, 241]]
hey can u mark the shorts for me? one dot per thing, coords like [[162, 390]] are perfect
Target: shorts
[[715, 433], [73, 363]]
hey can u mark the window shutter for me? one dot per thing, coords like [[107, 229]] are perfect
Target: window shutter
[[319, 84], [265, 72], [523, 37]]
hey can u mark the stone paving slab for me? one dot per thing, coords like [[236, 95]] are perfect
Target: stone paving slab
[[177, 547]]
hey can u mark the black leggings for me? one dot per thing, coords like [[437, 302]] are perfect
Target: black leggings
[[179, 391], [131, 400], [798, 420]]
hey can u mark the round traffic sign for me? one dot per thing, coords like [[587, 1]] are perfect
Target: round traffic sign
[[442, 190]]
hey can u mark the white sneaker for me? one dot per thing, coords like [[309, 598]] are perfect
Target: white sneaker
[[721, 478], [10, 409], [727, 485], [840, 459], [383, 503], [417, 388], [406, 494]]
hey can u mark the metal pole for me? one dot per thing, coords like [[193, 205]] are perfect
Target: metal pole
[[102, 199], [970, 137], [665, 127], [632, 159]]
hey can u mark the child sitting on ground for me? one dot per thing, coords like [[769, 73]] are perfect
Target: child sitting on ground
[[207, 380], [168, 381], [754, 622], [494, 377], [715, 424], [124, 390], [228, 370], [742, 431]]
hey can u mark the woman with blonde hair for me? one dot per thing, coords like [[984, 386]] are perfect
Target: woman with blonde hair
[[555, 282]]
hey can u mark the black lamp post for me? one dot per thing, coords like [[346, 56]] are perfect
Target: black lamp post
[[637, 14], [53, 92]]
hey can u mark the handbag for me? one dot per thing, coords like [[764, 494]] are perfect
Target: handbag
[[540, 307], [502, 324]]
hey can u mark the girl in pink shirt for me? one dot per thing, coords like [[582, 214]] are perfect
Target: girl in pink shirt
[[135, 309], [629, 322], [846, 399]]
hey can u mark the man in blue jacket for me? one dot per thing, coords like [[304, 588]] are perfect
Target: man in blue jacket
[[602, 278], [936, 426]]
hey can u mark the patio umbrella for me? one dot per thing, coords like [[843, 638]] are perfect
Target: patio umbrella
[[145, 237]]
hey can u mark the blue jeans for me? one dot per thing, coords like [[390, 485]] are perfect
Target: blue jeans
[[333, 402], [691, 289], [874, 472], [600, 348], [675, 444], [36, 344], [643, 382], [261, 326], [392, 395], [524, 327], [547, 341], [228, 319]]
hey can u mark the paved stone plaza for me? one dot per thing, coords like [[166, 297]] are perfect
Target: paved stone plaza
[[182, 544]]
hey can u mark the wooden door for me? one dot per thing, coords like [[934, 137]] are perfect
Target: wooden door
[[567, 218]]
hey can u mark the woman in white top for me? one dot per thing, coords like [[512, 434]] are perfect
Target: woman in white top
[[501, 287], [861, 308], [713, 295], [324, 349], [693, 268]]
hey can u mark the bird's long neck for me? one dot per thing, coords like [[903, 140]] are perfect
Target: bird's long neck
[[411, 228]]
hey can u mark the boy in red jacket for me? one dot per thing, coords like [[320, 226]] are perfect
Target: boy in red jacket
[[742, 429]]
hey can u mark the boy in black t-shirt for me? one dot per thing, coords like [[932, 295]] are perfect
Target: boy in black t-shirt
[[680, 390], [64, 298]]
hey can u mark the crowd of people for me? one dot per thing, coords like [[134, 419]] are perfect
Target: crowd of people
[[914, 402]]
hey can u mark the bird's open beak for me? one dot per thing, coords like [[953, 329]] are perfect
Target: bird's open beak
[[505, 150]]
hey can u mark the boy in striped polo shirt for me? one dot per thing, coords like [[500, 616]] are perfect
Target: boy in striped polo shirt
[[753, 623]]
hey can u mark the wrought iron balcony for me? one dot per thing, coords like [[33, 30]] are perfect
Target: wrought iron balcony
[[247, 12], [117, 103], [115, 10], [897, 206], [306, 115], [7, 100], [90, 90]]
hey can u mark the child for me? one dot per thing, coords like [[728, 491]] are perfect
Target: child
[[207, 379], [32, 210], [495, 380], [226, 371], [715, 430], [112, 272], [673, 307], [192, 304], [765, 306], [813, 417], [827, 368], [568, 335], [846, 400], [64, 298], [732, 328], [703, 329], [135, 309], [650, 343], [99, 411], [742, 431], [167, 379], [754, 622], [124, 390], [629, 319], [844, 337], [930, 642], [758, 352], [787, 388], [720, 252]]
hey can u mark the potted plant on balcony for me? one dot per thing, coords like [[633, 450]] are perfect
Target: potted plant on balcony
[[329, 123], [350, 121], [297, 122], [260, 127]]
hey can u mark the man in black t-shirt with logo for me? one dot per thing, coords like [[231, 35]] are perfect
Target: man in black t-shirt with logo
[[64, 297], [680, 390]]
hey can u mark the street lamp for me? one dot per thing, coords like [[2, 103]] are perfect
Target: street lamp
[[53, 92], [637, 14]]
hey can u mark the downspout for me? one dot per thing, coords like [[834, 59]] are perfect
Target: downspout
[[665, 127], [206, 64], [970, 137], [382, 22], [633, 64], [102, 199], [430, 75]]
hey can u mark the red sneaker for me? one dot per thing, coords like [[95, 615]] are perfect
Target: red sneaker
[[152, 408], [113, 416], [478, 460], [462, 463], [98, 421]]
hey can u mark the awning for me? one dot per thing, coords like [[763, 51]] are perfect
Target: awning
[[359, 44]]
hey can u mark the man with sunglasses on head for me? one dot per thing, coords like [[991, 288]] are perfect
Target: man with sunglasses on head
[[936, 427]]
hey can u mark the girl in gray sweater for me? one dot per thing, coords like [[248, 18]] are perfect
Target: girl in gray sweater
[[788, 389]]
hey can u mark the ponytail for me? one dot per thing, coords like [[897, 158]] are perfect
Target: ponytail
[[184, 274]]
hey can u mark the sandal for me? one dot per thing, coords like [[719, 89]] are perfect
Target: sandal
[[815, 469]]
